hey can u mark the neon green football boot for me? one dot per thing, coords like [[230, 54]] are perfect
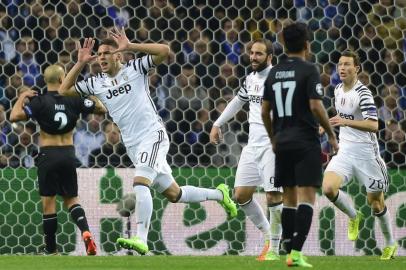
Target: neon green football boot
[[134, 243], [353, 226], [227, 203], [389, 252], [296, 258]]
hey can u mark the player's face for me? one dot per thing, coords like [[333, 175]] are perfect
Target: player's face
[[347, 69], [106, 59], [258, 56]]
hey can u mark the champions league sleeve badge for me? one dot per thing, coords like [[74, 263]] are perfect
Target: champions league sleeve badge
[[88, 103]]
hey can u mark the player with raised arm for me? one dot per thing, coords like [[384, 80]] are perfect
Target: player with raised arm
[[124, 90], [257, 161], [293, 92], [358, 156], [57, 117]]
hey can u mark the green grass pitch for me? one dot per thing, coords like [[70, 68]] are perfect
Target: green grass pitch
[[190, 263]]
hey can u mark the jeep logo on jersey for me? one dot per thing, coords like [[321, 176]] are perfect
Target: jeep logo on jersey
[[121, 90], [256, 99]]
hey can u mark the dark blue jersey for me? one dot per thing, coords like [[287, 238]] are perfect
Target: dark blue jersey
[[57, 114], [289, 87]]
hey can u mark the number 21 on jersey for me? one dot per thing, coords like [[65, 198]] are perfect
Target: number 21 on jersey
[[284, 109]]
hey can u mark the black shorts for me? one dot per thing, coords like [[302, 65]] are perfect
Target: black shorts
[[57, 171], [301, 168]]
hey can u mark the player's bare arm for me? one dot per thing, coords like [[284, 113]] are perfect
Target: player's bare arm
[[99, 107], [84, 57], [159, 52], [266, 117], [231, 109], [215, 135], [317, 108], [368, 125], [18, 113]]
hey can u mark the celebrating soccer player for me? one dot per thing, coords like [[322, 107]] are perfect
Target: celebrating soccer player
[[256, 164], [293, 92], [124, 90], [56, 161], [358, 156]]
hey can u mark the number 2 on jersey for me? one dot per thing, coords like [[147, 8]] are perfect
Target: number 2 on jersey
[[277, 87], [61, 117]]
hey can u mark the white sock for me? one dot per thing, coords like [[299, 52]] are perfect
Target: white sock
[[386, 226], [196, 194], [254, 212], [143, 211], [343, 202], [276, 225]]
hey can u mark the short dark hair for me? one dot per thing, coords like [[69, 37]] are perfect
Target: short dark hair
[[109, 42], [266, 42], [295, 36], [353, 55]]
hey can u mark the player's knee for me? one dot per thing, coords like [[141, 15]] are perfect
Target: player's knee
[[377, 206], [241, 198], [274, 197], [173, 198], [173, 195], [329, 191]]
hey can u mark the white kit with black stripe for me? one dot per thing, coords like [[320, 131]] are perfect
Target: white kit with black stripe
[[358, 155], [356, 104], [127, 98]]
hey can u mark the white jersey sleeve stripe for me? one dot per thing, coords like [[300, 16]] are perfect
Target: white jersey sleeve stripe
[[89, 89], [91, 81], [135, 67], [141, 67], [79, 89], [243, 98], [243, 92]]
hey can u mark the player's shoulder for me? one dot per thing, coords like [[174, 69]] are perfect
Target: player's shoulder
[[308, 66], [360, 88], [249, 76], [338, 87], [136, 65], [97, 78]]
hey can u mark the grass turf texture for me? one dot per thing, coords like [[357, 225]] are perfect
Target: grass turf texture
[[190, 263]]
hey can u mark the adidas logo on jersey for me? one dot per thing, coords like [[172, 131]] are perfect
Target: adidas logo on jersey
[[121, 90]]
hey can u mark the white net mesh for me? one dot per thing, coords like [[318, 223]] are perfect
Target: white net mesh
[[207, 63]]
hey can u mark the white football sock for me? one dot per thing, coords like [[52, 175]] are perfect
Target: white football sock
[[276, 225], [254, 212], [344, 203], [143, 211], [196, 194], [386, 226]]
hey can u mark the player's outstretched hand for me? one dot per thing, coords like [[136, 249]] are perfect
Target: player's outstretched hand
[[85, 52], [121, 38], [215, 135], [29, 94]]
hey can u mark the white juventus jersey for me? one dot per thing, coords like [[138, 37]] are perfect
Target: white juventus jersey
[[252, 91], [127, 98], [356, 104]]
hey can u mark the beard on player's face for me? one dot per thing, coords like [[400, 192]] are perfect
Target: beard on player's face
[[256, 65]]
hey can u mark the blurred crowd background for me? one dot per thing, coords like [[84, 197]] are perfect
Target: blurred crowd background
[[208, 62]]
